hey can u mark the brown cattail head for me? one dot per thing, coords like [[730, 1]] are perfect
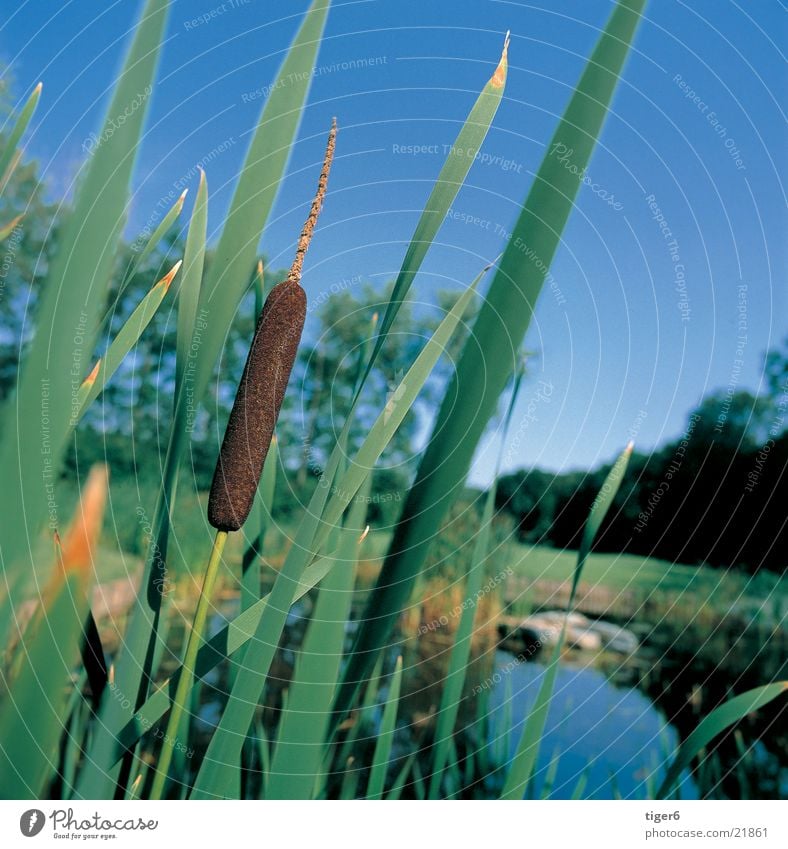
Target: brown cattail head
[[256, 407], [262, 388]]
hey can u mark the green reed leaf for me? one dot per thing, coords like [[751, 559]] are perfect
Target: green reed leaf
[[489, 355], [715, 723]]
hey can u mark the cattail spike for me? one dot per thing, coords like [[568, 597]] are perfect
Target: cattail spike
[[256, 407], [250, 428], [309, 225]]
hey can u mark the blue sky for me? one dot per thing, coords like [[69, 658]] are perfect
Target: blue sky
[[691, 154]]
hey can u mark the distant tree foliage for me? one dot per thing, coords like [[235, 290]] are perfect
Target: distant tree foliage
[[717, 495]]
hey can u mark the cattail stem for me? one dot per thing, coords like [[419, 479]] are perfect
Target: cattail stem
[[183, 690]]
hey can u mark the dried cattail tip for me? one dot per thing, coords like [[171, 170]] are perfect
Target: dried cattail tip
[[317, 203], [263, 383]]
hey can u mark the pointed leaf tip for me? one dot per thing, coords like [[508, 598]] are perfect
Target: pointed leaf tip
[[91, 378], [168, 277], [499, 77]]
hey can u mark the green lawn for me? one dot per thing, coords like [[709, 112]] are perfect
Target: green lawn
[[643, 574]]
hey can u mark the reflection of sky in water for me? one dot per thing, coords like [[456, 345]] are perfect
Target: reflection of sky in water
[[614, 735]]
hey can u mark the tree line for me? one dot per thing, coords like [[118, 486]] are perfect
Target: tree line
[[716, 495]]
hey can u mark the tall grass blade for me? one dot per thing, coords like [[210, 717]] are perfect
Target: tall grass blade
[[256, 525], [8, 153], [218, 775], [461, 650], [7, 229], [300, 746], [154, 240], [189, 288], [450, 180], [236, 253], [38, 419], [33, 711], [221, 646], [220, 294], [224, 749], [715, 723], [126, 338], [522, 766], [150, 244], [488, 357], [380, 760]]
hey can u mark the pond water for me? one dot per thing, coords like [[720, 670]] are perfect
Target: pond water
[[611, 737]]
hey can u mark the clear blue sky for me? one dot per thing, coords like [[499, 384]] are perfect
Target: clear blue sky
[[621, 356]]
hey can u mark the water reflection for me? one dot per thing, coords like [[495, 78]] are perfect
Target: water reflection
[[611, 738]]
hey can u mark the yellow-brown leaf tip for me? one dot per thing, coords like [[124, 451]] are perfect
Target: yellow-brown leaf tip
[[168, 277], [364, 535], [91, 378], [260, 267], [38, 88], [181, 199], [499, 77], [83, 535], [630, 446]]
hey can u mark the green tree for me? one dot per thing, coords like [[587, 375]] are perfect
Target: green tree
[[328, 369], [24, 256]]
